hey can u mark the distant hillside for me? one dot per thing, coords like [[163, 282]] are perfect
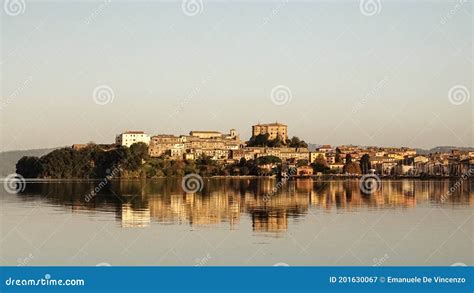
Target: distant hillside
[[442, 149], [313, 146], [8, 159]]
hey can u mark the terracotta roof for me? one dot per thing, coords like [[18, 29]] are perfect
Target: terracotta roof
[[206, 131], [165, 135], [271, 124]]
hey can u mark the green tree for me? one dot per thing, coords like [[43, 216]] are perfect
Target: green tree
[[29, 167], [300, 163], [83, 162], [260, 140], [244, 170], [296, 142], [338, 155], [320, 164], [107, 161], [268, 160], [351, 168], [365, 165], [348, 158], [276, 143], [138, 153], [58, 164], [242, 161]]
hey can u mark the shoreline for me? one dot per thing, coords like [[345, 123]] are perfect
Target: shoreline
[[314, 178]]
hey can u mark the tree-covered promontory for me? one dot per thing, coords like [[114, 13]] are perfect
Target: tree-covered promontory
[[95, 161]]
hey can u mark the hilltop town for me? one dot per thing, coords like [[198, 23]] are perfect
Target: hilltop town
[[268, 152], [273, 150]]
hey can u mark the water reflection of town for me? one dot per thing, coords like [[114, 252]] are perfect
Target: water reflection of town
[[224, 201]]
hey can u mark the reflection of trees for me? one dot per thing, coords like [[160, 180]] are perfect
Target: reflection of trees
[[136, 203]]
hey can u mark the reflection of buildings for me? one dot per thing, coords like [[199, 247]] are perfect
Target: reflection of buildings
[[224, 201], [269, 221], [195, 209], [134, 218]]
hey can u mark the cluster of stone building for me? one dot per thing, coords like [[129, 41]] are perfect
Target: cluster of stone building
[[403, 161], [229, 148]]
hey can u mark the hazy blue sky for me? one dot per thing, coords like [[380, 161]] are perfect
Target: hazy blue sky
[[354, 79]]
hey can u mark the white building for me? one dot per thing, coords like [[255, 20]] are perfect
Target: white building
[[130, 137]]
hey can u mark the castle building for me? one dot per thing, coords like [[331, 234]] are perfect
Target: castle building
[[274, 130]]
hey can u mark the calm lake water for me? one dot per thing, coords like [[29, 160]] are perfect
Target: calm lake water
[[235, 222]]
